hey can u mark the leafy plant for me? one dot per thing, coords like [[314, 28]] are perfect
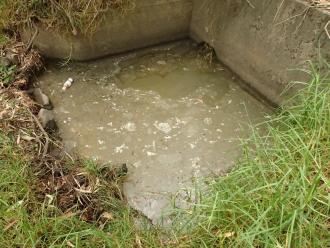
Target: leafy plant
[[7, 75]]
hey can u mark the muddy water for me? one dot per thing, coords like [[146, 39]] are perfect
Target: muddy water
[[164, 111]]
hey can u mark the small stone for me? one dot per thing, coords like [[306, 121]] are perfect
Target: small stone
[[12, 57], [42, 99], [47, 120], [5, 62]]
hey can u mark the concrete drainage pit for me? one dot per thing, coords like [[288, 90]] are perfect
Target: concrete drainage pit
[[165, 111]]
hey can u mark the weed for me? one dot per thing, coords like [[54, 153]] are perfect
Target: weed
[[7, 75]]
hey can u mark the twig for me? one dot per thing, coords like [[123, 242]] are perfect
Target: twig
[[43, 131], [278, 11], [292, 17], [326, 29], [31, 41], [251, 5]]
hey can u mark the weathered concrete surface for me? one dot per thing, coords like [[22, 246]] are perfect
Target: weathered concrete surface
[[149, 23], [261, 43]]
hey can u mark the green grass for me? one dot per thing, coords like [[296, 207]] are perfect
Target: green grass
[[3, 39], [7, 75], [279, 193], [27, 222]]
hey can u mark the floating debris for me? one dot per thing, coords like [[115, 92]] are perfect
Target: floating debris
[[130, 126], [68, 83], [163, 126], [120, 149], [208, 121]]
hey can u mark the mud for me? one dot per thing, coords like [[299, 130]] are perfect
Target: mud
[[164, 111]]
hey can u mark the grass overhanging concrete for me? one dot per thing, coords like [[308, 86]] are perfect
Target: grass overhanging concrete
[[74, 16]]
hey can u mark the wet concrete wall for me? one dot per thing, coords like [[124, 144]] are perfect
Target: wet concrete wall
[[149, 23], [262, 40]]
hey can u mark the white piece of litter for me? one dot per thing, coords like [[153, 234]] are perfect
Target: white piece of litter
[[68, 83]]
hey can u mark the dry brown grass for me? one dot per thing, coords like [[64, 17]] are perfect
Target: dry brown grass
[[71, 15]]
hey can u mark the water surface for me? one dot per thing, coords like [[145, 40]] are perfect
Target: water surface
[[164, 111]]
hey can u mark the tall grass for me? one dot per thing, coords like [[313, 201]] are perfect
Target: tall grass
[[279, 193]]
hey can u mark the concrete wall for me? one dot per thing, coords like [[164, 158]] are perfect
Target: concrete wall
[[260, 40], [149, 23], [261, 43]]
